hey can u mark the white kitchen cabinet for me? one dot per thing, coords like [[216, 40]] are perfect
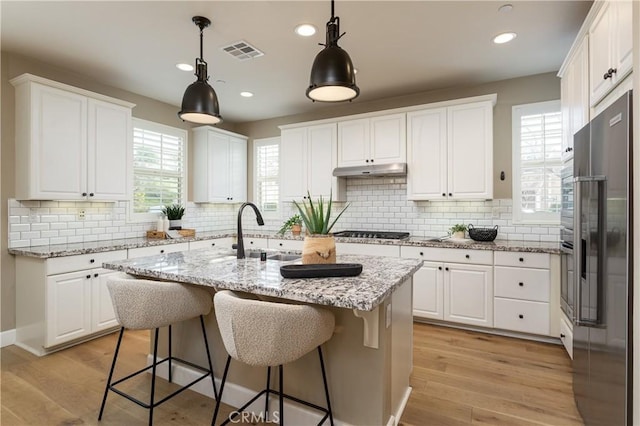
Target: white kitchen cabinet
[[370, 141], [219, 166], [428, 291], [566, 334], [63, 300], [610, 48], [281, 244], [368, 249], [574, 94], [308, 156], [468, 294], [450, 152], [224, 243], [159, 249], [255, 243], [71, 144]]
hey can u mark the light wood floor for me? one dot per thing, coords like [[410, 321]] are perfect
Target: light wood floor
[[459, 377]]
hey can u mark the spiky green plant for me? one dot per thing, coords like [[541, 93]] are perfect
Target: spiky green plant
[[316, 218], [173, 212]]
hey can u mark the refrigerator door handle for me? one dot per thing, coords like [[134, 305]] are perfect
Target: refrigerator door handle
[[577, 249]]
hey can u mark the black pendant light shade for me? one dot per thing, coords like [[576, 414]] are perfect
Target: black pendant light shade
[[200, 102], [333, 78]]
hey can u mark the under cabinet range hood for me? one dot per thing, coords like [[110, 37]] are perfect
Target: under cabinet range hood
[[393, 169]]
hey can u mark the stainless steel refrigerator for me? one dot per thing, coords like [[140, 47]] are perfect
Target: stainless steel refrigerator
[[602, 333]]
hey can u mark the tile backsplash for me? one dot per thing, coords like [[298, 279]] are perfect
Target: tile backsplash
[[375, 204]]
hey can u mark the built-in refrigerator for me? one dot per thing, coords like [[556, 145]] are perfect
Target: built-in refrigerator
[[603, 269]]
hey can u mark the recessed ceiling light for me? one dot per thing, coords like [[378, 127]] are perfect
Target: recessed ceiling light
[[184, 67], [246, 94], [505, 8], [504, 38], [305, 30]]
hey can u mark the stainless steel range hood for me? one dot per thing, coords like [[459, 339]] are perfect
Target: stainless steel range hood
[[394, 169]]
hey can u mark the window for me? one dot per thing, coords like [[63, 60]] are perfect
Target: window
[[537, 141], [159, 171], [266, 158]]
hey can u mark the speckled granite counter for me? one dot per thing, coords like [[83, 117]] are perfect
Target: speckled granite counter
[[62, 250], [212, 267]]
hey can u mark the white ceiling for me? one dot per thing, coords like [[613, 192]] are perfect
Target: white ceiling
[[398, 47]]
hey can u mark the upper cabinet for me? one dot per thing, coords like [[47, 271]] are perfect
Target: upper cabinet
[[219, 166], [575, 95], [450, 152], [309, 155], [375, 140], [71, 144], [610, 48]]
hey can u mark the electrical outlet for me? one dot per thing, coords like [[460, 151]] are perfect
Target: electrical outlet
[[33, 216], [81, 214]]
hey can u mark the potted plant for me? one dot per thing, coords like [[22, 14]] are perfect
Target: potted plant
[[458, 230], [319, 245], [174, 213], [294, 223]]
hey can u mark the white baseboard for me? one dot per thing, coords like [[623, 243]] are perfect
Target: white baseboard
[[236, 395], [395, 418], [7, 338]]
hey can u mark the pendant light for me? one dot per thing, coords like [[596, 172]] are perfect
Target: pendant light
[[200, 102], [333, 77]]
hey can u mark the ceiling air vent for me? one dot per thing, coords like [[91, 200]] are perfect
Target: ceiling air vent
[[242, 50]]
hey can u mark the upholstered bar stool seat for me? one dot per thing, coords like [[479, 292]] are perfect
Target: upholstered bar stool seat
[[268, 334], [144, 304]]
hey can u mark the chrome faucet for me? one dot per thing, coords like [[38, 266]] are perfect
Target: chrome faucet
[[240, 245]]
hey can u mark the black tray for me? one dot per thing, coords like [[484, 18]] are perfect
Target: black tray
[[321, 270]]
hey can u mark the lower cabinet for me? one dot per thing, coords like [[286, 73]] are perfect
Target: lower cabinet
[[224, 243], [468, 294], [428, 287]]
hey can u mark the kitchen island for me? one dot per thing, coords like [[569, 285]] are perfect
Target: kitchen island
[[369, 358]]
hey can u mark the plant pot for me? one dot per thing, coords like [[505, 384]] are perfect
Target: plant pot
[[319, 249], [175, 224], [459, 235], [296, 229]]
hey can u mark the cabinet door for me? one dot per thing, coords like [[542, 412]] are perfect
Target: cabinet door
[[388, 142], [353, 143], [58, 157], [470, 151], [468, 294], [109, 151], [219, 169], [68, 310], [238, 174], [293, 169], [321, 160], [600, 53], [102, 314], [622, 48], [427, 154], [157, 250], [428, 299]]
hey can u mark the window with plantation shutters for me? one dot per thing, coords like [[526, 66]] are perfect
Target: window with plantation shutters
[[537, 148], [267, 174], [159, 173]]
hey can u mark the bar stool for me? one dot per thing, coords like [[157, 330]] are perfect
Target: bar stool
[[268, 334], [144, 304]]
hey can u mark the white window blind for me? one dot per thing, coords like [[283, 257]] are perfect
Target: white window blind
[[537, 147], [267, 174], [158, 167]]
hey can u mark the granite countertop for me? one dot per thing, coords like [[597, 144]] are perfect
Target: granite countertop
[[61, 250], [216, 268]]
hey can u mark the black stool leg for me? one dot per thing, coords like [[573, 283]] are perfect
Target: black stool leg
[[170, 345], [113, 366], [206, 346], [281, 396], [326, 388], [266, 401], [219, 399], [153, 377]]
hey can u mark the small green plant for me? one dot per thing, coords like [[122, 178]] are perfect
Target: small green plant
[[458, 228], [293, 220], [173, 212], [316, 218]]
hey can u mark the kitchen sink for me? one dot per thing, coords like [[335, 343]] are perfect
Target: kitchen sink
[[284, 257]]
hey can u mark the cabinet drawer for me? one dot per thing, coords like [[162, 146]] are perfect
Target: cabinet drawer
[[285, 244], [522, 283], [522, 259], [368, 249], [255, 243], [477, 257], [216, 243], [60, 265], [521, 315], [566, 336], [153, 250]]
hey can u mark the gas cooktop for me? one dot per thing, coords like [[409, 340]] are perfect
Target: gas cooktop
[[373, 234]]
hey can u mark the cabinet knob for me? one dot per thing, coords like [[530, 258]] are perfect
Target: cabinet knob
[[444, 195], [84, 194], [467, 256], [610, 72], [446, 269], [520, 316], [280, 244], [250, 242], [366, 161], [88, 276], [521, 284], [562, 336], [521, 259], [372, 160], [95, 275], [569, 149], [91, 194], [450, 194], [161, 251], [440, 268], [213, 244], [421, 254], [92, 260]]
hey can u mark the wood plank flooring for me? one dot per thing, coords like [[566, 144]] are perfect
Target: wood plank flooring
[[459, 378]]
